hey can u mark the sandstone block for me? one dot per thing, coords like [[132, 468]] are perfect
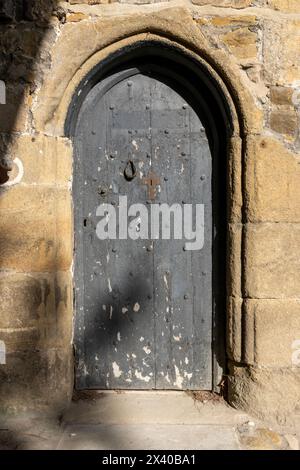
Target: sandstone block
[[233, 21], [270, 394], [281, 51], [241, 42], [284, 122], [271, 260], [289, 6], [36, 380], [41, 159], [272, 181], [75, 17], [234, 328], [14, 114], [281, 95], [235, 197], [234, 250], [224, 3], [272, 329], [36, 310], [21, 296], [36, 229]]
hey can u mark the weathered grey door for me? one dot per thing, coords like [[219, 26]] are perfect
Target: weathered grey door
[[143, 307]]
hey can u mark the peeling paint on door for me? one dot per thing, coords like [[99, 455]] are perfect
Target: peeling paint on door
[[141, 314]]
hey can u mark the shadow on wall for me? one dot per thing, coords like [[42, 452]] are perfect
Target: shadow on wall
[[24, 25]]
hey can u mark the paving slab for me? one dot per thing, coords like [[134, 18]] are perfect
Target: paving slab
[[151, 420], [149, 437], [151, 407]]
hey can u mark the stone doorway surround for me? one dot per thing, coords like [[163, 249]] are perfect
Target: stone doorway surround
[[263, 237]]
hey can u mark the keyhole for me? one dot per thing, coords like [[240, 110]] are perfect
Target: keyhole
[[130, 171]]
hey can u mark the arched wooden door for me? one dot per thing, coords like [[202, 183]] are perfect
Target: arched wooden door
[[144, 306]]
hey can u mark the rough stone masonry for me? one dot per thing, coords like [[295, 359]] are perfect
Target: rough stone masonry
[[45, 50]]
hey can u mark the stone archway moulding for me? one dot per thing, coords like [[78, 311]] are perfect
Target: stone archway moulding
[[74, 55], [104, 37]]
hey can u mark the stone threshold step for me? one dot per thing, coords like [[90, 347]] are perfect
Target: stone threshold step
[[150, 407]]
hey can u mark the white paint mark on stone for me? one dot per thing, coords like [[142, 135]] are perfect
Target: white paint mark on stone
[[110, 312], [119, 336], [19, 176], [142, 339], [136, 307], [109, 285], [2, 352], [124, 309], [133, 355], [186, 360], [116, 370]]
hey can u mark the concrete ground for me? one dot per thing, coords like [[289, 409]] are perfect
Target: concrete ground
[[146, 420]]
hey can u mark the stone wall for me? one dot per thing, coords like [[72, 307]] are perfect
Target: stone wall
[[45, 49]]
